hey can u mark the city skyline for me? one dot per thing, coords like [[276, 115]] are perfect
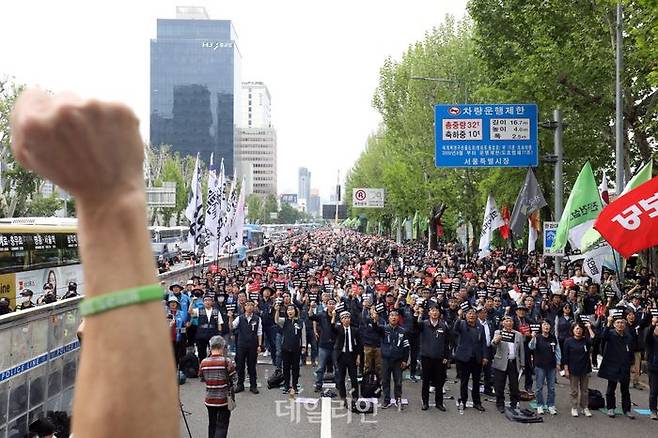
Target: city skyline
[[321, 76]]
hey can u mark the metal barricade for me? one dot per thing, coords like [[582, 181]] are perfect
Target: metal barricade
[[38, 363], [39, 353]]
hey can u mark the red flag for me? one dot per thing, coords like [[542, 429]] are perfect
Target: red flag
[[630, 223], [504, 230], [439, 228]]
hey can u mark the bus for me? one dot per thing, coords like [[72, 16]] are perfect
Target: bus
[[169, 234], [252, 236], [36, 251]]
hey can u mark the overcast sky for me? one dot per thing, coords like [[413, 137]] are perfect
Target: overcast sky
[[320, 60]]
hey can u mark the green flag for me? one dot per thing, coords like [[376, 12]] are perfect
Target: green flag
[[592, 237], [582, 209]]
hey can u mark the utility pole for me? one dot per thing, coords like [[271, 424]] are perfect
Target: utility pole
[[559, 184], [557, 125], [337, 196], [619, 121]]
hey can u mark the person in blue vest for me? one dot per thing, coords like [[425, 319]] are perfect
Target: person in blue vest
[[470, 356], [196, 304], [249, 332], [395, 356], [209, 324], [178, 323], [182, 297]]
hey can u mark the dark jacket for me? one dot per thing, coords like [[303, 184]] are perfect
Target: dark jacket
[[293, 334], [339, 334], [471, 342], [617, 355], [651, 341], [434, 340], [394, 342], [576, 356], [327, 337], [368, 332], [547, 351]]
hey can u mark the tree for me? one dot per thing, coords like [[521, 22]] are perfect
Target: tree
[[270, 205], [44, 206], [18, 184], [172, 172], [562, 54], [254, 206], [288, 214]]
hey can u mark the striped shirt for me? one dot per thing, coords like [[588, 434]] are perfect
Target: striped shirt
[[219, 374]]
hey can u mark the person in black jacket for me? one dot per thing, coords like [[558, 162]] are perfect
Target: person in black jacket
[[616, 364], [293, 335], [326, 339], [651, 342], [470, 356], [346, 349], [434, 354], [395, 355], [547, 357]]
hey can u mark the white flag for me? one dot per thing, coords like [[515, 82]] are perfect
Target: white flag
[[229, 213], [222, 218], [237, 224], [593, 261], [194, 210], [492, 221], [212, 213]]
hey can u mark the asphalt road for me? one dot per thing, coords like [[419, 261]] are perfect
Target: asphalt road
[[273, 414]]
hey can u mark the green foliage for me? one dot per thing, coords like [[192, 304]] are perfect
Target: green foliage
[[44, 207], [254, 207], [288, 214], [19, 185], [555, 53]]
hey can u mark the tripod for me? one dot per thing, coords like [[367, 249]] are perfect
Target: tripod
[[183, 412]]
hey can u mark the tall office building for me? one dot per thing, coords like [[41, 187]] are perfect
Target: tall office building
[[195, 85], [314, 205], [304, 185], [255, 148]]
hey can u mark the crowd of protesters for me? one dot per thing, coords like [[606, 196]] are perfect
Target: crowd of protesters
[[356, 304]]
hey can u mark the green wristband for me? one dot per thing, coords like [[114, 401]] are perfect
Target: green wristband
[[128, 297]]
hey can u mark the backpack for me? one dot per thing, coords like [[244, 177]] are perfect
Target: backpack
[[370, 386], [522, 416], [276, 379], [595, 399], [189, 365]]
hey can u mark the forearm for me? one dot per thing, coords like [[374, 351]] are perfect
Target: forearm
[[116, 255]]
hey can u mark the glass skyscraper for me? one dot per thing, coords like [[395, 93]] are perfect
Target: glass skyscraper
[[195, 86]]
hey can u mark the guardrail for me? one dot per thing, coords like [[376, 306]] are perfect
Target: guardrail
[[39, 353]]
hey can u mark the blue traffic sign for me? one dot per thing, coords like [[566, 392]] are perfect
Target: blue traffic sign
[[486, 135]]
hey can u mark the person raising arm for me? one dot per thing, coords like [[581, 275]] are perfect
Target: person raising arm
[[93, 150]]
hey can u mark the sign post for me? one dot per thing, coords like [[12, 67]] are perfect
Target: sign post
[[367, 198], [486, 135], [550, 228]]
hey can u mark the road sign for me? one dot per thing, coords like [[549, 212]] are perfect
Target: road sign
[[550, 228], [486, 135], [368, 198]]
